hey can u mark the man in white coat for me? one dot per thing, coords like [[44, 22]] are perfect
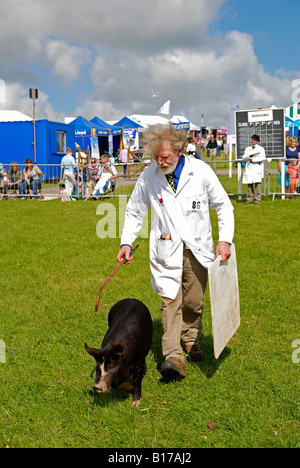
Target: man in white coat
[[181, 189], [254, 170]]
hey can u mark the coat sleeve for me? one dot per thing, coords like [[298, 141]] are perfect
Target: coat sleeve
[[246, 154], [261, 157], [137, 207], [219, 201]]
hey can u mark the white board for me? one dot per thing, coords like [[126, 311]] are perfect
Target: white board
[[225, 301]]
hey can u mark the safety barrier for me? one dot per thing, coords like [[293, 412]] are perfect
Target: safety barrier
[[50, 185]]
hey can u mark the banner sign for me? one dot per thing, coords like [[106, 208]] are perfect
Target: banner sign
[[95, 148]]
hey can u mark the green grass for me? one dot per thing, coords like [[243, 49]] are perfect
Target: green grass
[[52, 265]]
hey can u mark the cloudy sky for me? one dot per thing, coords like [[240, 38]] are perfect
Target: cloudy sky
[[108, 58]]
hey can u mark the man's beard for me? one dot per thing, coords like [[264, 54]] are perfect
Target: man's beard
[[169, 169]]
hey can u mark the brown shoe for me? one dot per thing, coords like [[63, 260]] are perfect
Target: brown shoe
[[173, 368], [194, 353], [247, 202]]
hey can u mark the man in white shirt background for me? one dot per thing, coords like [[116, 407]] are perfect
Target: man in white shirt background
[[254, 170]]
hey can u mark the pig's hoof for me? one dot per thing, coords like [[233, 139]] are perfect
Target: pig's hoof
[[136, 402]]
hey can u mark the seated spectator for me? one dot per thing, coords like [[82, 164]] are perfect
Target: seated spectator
[[106, 174], [15, 180], [32, 178], [92, 171], [3, 179]]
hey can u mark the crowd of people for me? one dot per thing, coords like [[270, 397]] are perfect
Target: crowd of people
[[90, 180], [210, 144], [94, 179], [16, 180]]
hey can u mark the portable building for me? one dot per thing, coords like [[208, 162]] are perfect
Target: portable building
[[51, 140]]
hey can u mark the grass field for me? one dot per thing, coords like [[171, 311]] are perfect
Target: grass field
[[52, 265]]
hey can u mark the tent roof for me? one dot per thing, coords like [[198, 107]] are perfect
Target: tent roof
[[114, 129], [146, 120], [83, 127], [13, 116], [128, 124], [180, 121]]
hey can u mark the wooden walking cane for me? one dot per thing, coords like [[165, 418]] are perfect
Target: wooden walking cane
[[110, 277]]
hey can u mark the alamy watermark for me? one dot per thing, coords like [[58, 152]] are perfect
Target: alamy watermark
[[296, 353], [112, 220], [296, 93], [2, 352]]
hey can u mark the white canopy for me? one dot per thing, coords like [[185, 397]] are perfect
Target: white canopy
[[181, 121], [178, 121], [13, 116], [147, 120]]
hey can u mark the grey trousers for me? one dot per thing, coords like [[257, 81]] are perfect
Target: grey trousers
[[254, 192], [69, 185]]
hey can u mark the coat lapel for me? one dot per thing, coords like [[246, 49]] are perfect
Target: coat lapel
[[185, 177], [186, 174]]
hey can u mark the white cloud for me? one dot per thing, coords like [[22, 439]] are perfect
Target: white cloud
[[106, 22], [207, 80], [17, 98], [67, 60], [132, 50]]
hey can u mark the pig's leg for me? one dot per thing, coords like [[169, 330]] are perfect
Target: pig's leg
[[138, 374]]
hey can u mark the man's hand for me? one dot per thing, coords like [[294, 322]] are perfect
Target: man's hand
[[223, 249], [124, 253]]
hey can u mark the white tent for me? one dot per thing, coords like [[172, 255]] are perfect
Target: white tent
[[13, 116], [147, 120], [183, 123], [178, 121]]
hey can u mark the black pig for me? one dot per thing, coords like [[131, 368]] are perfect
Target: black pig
[[124, 348]]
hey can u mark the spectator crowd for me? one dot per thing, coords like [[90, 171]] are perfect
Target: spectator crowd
[[94, 179]]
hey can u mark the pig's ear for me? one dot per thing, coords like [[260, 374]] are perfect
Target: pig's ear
[[92, 351], [116, 351]]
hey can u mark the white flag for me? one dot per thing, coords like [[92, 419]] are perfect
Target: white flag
[[165, 109]]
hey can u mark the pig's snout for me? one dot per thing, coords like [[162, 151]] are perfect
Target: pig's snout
[[101, 386]]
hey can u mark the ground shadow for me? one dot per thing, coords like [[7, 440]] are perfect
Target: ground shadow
[[208, 367], [115, 394], [106, 399]]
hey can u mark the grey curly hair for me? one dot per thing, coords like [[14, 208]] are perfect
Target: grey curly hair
[[156, 135]]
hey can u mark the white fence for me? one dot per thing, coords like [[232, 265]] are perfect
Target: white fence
[[50, 185]]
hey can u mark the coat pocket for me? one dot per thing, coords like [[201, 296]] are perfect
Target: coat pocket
[[163, 251]]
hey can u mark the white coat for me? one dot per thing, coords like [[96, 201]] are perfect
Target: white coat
[[254, 171], [184, 215]]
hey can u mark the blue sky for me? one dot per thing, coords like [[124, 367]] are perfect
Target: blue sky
[[109, 58], [274, 26]]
